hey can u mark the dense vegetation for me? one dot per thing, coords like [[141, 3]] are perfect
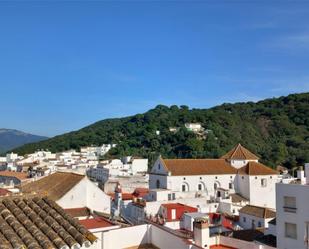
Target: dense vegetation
[[275, 129]]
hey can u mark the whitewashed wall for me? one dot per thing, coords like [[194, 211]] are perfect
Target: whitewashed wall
[[86, 194], [267, 193]]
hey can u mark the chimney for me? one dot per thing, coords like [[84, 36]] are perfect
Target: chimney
[[301, 175], [201, 232], [307, 173]]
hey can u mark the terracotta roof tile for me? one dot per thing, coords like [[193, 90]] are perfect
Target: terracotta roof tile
[[180, 167], [238, 198], [78, 212], [240, 153], [39, 223], [254, 168], [96, 223], [19, 175], [54, 186], [261, 212]]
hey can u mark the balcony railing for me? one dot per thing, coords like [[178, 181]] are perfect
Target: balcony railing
[[289, 209]]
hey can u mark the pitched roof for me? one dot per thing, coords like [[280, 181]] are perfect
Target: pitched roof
[[19, 175], [261, 212], [240, 153], [78, 212], [55, 185], [238, 198], [182, 167], [254, 168], [39, 223]]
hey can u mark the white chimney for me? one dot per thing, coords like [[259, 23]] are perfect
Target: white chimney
[[307, 173], [301, 175], [201, 233]]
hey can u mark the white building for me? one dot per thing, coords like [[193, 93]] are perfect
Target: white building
[[292, 222], [195, 127], [252, 217], [236, 172], [71, 190], [128, 166]]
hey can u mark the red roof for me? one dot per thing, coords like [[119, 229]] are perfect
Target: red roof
[[4, 192], [138, 192], [180, 210], [174, 205], [221, 247], [96, 223]]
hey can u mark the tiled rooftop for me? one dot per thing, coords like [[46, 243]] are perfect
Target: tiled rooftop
[[39, 223], [54, 186], [96, 223]]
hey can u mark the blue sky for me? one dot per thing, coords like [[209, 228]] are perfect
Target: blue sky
[[64, 65]]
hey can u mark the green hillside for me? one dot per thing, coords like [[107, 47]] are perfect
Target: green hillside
[[276, 129]]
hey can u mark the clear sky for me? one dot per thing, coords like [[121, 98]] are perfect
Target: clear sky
[[64, 65]]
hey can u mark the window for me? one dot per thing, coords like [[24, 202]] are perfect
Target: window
[[263, 182], [230, 185], [185, 187], [231, 177], [199, 186], [289, 204], [200, 178], [216, 177], [256, 177], [184, 178], [233, 211], [242, 177], [215, 186], [259, 224], [290, 230], [244, 219], [159, 166], [173, 196], [169, 197], [158, 183], [271, 177]]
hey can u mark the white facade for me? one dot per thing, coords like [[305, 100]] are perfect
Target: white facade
[[252, 222], [251, 187], [292, 215], [86, 194], [190, 185], [195, 127]]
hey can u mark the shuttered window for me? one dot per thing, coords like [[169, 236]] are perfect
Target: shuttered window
[[290, 230]]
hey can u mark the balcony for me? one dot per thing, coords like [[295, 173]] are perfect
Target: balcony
[[289, 209]]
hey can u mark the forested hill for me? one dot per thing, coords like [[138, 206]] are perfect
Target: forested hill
[[276, 129]]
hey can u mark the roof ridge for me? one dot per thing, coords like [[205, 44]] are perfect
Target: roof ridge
[[238, 146]]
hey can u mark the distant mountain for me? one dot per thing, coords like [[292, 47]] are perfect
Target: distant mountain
[[10, 139], [276, 129]]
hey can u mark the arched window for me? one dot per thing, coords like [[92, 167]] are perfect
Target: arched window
[[185, 187], [215, 186], [231, 185], [200, 187], [158, 183]]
